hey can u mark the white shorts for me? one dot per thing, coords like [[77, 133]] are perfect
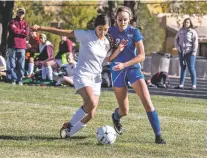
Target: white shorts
[[88, 79]]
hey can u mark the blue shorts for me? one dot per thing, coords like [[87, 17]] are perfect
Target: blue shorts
[[120, 78]]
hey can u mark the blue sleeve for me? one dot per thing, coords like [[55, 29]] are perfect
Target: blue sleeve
[[137, 36]]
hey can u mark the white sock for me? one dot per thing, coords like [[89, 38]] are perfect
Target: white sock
[[79, 115], [58, 82], [44, 72], [76, 128], [49, 72], [30, 68]]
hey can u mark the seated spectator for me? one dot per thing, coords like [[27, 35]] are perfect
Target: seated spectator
[[45, 50], [31, 50], [69, 68], [161, 80], [65, 46]]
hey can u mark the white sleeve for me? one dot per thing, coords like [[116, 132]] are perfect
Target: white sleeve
[[81, 35]]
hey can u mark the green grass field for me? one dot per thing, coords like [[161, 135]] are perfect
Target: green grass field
[[31, 118]]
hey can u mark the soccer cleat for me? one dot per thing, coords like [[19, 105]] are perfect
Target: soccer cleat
[[117, 125], [65, 131], [159, 140]]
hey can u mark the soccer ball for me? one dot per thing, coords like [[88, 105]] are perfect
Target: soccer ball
[[106, 135]]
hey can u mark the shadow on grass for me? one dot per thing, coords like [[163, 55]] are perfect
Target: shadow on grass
[[6, 137]]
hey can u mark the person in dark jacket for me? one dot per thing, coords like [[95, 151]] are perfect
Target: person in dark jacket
[[161, 79], [18, 31], [46, 53]]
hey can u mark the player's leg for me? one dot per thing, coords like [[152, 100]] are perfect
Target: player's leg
[[123, 108], [86, 112], [141, 90], [120, 89]]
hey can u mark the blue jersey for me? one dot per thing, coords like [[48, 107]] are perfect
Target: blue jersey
[[132, 35]]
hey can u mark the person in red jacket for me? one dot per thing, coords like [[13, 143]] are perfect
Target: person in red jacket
[[18, 31]]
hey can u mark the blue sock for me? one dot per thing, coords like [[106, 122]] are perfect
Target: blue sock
[[116, 114], [154, 121]]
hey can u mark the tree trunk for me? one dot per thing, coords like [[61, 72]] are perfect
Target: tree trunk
[[6, 8]]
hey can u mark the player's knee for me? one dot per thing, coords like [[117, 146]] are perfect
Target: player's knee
[[91, 104]]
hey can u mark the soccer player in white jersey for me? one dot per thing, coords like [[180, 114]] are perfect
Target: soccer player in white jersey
[[125, 66], [87, 74]]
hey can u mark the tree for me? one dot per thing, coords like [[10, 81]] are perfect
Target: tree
[[5, 16], [153, 34], [77, 14], [184, 7]]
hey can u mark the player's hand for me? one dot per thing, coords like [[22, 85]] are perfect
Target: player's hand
[[36, 27], [122, 45], [119, 66]]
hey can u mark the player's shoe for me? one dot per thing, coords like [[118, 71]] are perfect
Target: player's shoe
[[117, 125], [159, 140], [65, 130]]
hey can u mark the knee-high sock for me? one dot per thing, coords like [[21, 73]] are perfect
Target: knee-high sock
[[79, 115], [76, 128], [44, 72], [30, 68], [154, 121], [49, 72]]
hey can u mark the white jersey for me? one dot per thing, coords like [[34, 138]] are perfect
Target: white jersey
[[92, 52]]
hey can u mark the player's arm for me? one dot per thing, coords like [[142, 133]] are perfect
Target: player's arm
[[61, 32], [140, 57], [116, 52]]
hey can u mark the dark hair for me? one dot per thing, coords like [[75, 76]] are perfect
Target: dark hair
[[113, 44], [124, 9], [191, 24], [101, 20]]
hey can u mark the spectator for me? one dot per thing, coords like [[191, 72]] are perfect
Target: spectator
[[45, 50], [69, 68], [65, 46], [32, 49], [186, 42], [18, 31], [161, 79]]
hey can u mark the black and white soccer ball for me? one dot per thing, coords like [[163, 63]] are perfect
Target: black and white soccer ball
[[106, 135]]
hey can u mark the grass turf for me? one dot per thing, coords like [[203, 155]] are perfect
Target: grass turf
[[31, 117]]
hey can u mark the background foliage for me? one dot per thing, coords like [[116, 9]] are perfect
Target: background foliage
[[35, 14], [153, 34]]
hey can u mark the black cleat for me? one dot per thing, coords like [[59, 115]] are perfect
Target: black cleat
[[117, 125], [159, 140]]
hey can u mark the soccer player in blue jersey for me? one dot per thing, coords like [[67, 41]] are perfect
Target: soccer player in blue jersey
[[125, 67]]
